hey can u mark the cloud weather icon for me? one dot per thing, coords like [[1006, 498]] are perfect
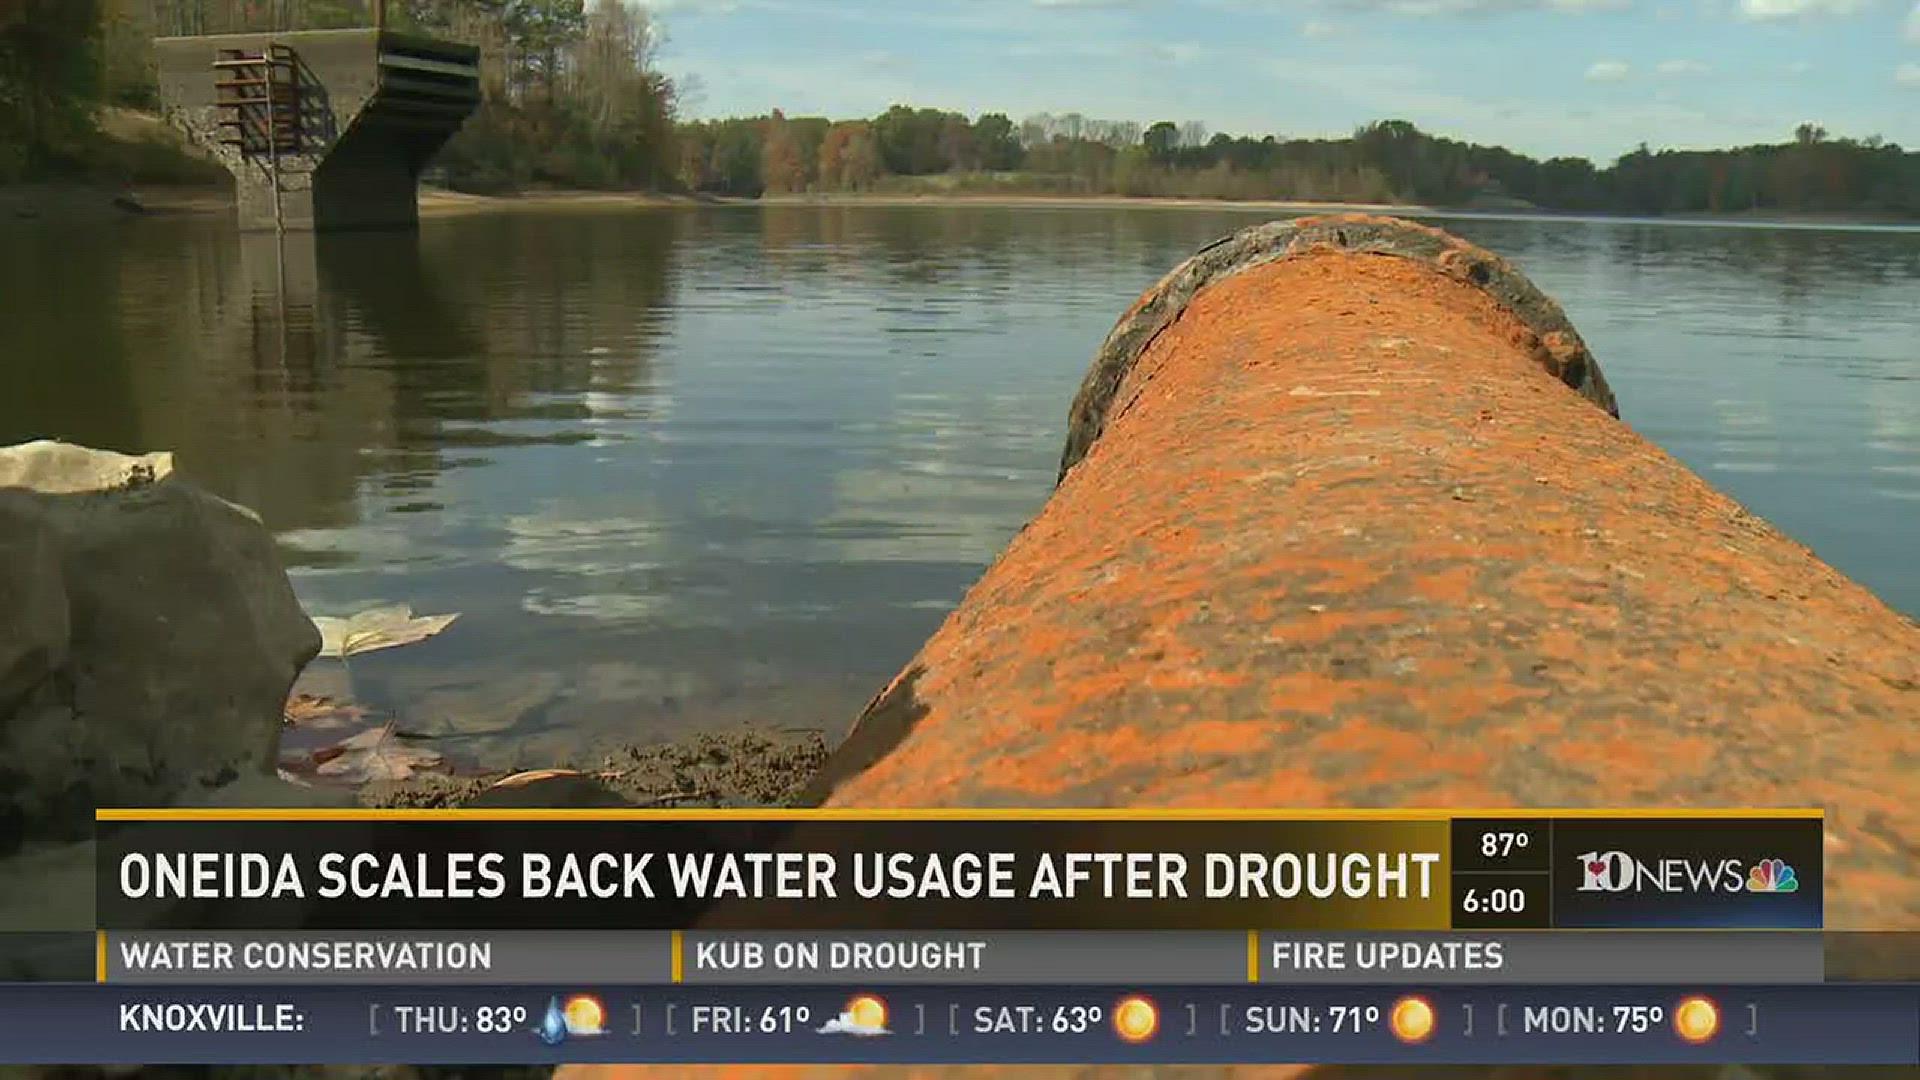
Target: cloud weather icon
[[865, 1015]]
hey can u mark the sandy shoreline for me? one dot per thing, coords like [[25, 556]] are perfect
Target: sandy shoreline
[[1089, 202], [81, 201], [437, 202]]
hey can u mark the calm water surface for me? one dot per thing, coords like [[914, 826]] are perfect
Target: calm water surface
[[685, 468]]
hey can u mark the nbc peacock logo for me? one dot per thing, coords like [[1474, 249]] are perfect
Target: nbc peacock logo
[[1772, 876]]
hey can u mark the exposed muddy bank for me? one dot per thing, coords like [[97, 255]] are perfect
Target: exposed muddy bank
[[743, 768]]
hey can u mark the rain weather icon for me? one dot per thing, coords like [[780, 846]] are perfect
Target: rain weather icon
[[581, 1015], [865, 1015]]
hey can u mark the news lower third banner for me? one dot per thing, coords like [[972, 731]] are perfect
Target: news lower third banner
[[958, 870], [959, 958]]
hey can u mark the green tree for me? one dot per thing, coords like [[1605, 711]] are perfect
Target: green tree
[[1133, 172], [49, 83], [997, 141], [1162, 142], [541, 31], [571, 95], [734, 167], [625, 104], [957, 149]]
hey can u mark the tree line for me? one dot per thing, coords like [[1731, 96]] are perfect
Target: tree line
[[1389, 161], [572, 96]]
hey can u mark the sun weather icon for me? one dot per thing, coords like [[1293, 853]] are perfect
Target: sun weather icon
[[865, 1015], [1772, 876]]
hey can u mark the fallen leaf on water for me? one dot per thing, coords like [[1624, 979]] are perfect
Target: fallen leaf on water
[[313, 708], [375, 754], [534, 776], [315, 727], [376, 628]]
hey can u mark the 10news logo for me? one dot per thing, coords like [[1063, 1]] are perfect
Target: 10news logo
[[1619, 872]]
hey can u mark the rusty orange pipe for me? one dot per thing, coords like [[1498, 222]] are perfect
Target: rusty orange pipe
[[1346, 520]]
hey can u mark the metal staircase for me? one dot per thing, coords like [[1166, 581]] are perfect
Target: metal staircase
[[265, 112]]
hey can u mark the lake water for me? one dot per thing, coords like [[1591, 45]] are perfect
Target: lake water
[[686, 468]]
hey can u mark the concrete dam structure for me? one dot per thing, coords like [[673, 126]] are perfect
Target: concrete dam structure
[[322, 129], [1346, 520]]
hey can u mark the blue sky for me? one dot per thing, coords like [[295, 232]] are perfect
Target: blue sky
[[1546, 77]]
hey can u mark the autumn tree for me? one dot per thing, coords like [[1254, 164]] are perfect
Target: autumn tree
[[781, 167], [849, 157]]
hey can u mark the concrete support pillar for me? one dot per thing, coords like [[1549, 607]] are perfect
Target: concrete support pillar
[[1346, 520], [373, 109]]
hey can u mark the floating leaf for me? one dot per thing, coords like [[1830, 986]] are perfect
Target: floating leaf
[[534, 776], [376, 628], [308, 709], [375, 754], [315, 728]]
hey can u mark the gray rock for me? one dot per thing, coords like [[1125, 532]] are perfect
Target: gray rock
[[47, 889], [148, 638], [57, 468]]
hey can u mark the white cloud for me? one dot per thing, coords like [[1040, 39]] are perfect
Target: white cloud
[[1178, 52], [1319, 28], [1799, 68], [1608, 71], [844, 1024], [1767, 10], [1682, 67], [1080, 3], [1913, 25], [1907, 75]]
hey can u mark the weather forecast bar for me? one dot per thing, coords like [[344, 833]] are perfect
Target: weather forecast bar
[[1129, 1023], [1003, 958], [973, 871]]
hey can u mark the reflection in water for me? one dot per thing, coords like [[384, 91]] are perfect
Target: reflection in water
[[1783, 364], [693, 467]]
